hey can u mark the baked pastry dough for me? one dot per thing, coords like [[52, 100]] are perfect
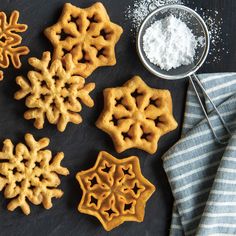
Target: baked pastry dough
[[136, 116], [114, 190]]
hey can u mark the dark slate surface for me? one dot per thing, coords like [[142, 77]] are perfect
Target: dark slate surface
[[81, 143]]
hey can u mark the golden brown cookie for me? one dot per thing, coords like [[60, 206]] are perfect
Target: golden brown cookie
[[53, 92], [10, 41], [30, 173], [114, 190], [88, 34], [136, 116]]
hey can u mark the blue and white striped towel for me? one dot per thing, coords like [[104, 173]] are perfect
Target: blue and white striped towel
[[202, 173]]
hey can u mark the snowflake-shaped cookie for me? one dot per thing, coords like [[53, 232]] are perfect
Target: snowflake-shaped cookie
[[54, 92], [114, 190], [10, 41], [136, 116], [29, 173], [88, 34]]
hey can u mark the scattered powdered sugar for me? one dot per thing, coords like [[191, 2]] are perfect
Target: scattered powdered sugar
[[169, 43], [214, 23], [138, 11], [201, 41]]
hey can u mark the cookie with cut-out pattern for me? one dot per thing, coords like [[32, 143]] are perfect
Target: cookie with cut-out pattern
[[88, 34], [136, 116], [114, 190], [10, 40]]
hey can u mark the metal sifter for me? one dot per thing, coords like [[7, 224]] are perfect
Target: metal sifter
[[199, 28]]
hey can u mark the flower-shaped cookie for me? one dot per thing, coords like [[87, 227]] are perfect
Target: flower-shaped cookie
[[88, 34], [136, 116], [114, 190], [10, 41], [30, 173], [54, 92]]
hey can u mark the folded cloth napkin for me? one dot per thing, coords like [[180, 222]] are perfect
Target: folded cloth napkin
[[202, 173]]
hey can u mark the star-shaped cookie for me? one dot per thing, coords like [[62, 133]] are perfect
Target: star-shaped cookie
[[88, 34], [136, 116], [114, 190]]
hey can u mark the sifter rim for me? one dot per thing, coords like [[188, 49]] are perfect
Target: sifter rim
[[204, 55]]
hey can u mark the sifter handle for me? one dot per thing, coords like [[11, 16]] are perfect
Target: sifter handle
[[218, 140]]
